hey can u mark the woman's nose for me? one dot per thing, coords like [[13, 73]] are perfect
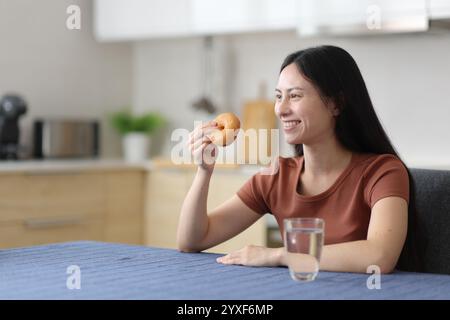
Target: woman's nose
[[282, 108]]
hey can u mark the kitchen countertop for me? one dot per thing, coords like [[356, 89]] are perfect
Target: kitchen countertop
[[44, 166], [70, 165]]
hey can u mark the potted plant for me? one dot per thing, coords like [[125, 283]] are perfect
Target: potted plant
[[136, 131]]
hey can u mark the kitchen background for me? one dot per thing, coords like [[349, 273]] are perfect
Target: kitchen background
[[150, 55]]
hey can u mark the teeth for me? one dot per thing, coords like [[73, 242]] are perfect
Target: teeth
[[290, 124]]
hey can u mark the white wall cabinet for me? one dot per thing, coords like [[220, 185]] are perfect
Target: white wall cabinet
[[439, 9], [361, 17], [219, 16], [118, 20]]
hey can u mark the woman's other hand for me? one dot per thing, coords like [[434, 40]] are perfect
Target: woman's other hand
[[255, 256]]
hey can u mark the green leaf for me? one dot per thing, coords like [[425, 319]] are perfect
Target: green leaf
[[125, 122]]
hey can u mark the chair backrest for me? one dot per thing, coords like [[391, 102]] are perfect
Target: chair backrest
[[433, 218]]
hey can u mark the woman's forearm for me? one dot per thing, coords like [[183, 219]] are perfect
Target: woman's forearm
[[193, 221], [354, 256]]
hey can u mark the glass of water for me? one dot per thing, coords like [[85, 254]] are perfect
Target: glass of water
[[303, 242]]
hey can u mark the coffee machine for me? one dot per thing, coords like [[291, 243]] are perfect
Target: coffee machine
[[11, 108]]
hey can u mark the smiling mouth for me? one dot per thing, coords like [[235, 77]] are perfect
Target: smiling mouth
[[290, 124]]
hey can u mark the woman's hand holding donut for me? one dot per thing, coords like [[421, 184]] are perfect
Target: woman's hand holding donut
[[203, 141], [203, 151]]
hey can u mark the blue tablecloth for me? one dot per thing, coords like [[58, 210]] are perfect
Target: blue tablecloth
[[118, 271]]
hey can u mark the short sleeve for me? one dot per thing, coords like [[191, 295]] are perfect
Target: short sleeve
[[389, 178], [253, 194]]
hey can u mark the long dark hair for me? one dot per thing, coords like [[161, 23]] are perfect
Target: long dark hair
[[335, 74]]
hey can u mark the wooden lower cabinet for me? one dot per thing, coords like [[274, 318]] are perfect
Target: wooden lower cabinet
[[48, 207], [20, 234], [133, 206], [166, 191], [124, 219]]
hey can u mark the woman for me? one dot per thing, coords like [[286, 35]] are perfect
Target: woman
[[345, 172]]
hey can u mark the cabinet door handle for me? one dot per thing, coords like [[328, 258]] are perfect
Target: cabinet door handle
[[55, 172], [52, 222]]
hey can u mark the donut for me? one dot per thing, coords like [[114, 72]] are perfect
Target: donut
[[228, 127]]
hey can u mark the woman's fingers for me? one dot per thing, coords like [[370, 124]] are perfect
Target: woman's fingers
[[210, 124], [203, 151], [202, 130], [229, 259], [199, 158], [199, 142], [200, 138], [202, 133], [198, 151], [223, 259]]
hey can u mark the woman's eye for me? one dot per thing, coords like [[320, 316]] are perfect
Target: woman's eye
[[278, 96], [294, 96]]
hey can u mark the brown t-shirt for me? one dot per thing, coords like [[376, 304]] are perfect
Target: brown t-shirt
[[345, 206]]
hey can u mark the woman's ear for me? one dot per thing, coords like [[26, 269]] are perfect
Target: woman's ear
[[336, 111], [334, 103], [333, 108]]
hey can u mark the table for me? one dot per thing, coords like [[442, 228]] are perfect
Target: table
[[119, 271]]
